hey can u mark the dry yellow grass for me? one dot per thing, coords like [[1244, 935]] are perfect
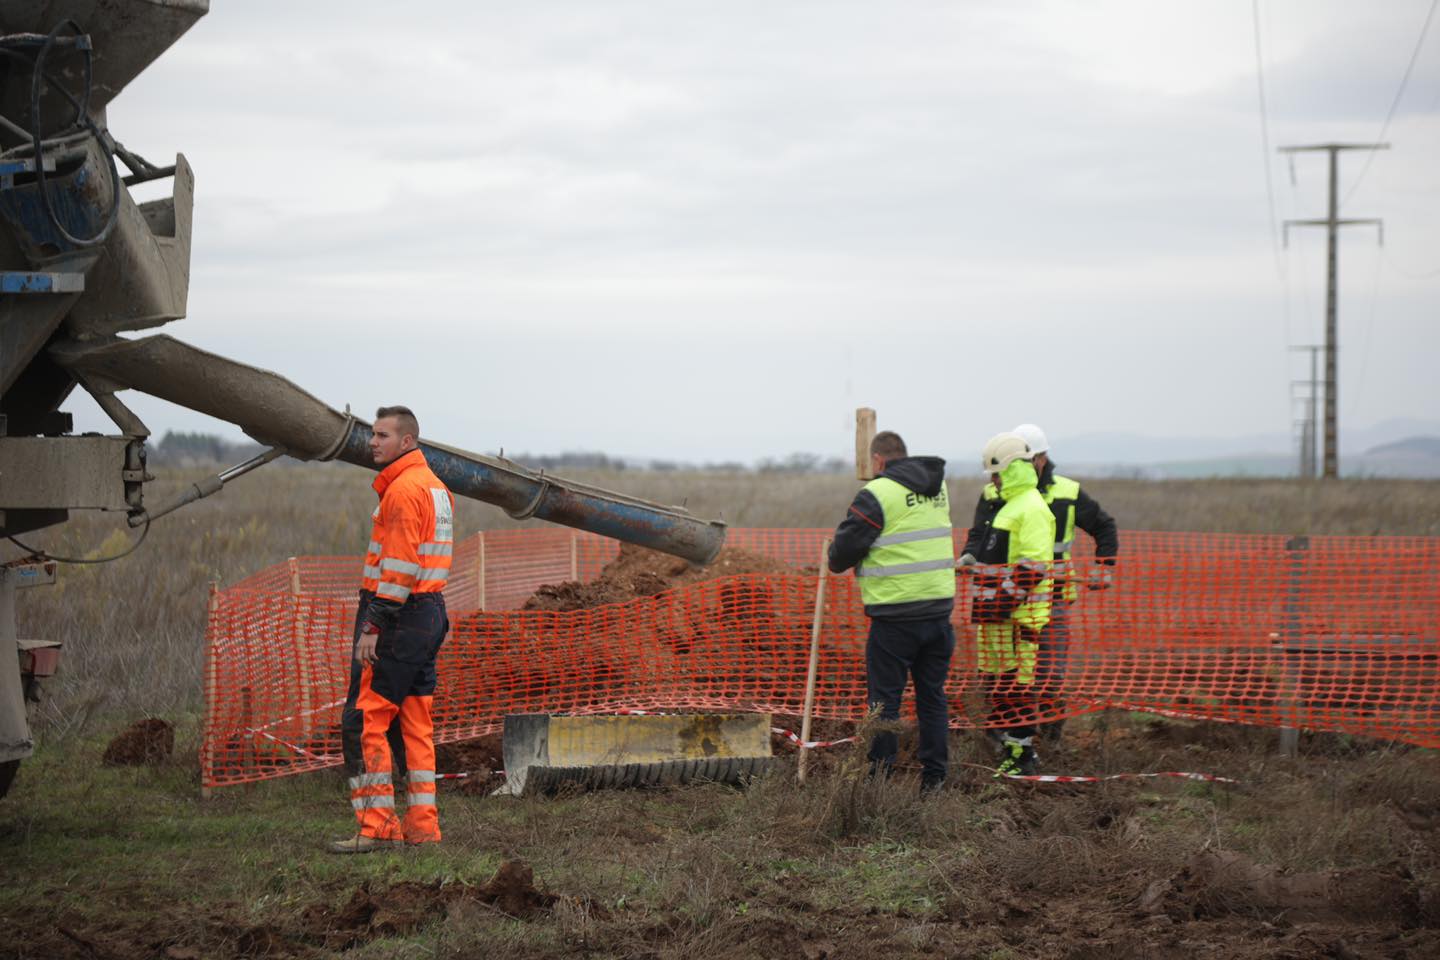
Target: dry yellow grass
[[132, 629]]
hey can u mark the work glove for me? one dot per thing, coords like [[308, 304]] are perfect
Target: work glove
[[1100, 577], [967, 560], [369, 639]]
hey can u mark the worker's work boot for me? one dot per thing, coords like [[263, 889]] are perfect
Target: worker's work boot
[[1017, 758], [363, 844]]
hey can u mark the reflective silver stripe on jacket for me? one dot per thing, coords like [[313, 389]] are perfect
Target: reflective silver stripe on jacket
[[369, 780], [372, 573], [433, 573], [1062, 546], [910, 536], [382, 802], [390, 565], [374, 547], [434, 549], [393, 591], [900, 569]]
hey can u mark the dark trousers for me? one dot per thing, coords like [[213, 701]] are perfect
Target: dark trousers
[[1054, 651], [404, 666], [901, 649]]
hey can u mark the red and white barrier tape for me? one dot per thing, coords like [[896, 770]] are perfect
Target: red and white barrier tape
[[813, 744], [1178, 774], [325, 757], [303, 713], [808, 744]]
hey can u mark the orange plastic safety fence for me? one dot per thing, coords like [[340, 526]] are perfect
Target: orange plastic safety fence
[[1326, 633]]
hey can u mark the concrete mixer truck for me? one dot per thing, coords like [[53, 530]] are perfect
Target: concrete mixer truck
[[83, 267]]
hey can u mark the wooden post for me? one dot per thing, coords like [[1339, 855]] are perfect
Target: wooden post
[[480, 571], [864, 434], [300, 646], [574, 555], [207, 726], [810, 674]]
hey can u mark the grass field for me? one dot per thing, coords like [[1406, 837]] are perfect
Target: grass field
[[1333, 854]]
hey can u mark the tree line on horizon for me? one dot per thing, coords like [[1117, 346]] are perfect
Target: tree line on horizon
[[184, 448]]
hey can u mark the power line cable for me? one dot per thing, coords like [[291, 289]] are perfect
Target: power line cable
[[1281, 263], [1390, 115], [1353, 400], [1265, 142]]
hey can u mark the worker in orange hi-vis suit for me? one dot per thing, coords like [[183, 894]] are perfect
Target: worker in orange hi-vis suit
[[398, 631]]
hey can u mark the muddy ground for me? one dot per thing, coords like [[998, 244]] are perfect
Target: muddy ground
[[1333, 855]]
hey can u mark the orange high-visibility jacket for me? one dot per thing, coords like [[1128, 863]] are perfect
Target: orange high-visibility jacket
[[412, 534]]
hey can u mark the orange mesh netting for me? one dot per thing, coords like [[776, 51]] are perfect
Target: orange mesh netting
[[1326, 633]]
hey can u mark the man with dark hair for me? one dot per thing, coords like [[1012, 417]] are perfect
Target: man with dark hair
[[888, 446], [399, 627], [897, 537], [404, 417]]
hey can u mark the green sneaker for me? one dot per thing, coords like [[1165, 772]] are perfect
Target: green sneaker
[[1017, 757]]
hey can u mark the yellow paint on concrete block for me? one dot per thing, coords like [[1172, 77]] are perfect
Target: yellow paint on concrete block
[[595, 741]]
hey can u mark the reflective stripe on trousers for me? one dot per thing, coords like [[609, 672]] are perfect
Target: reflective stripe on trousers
[[422, 787], [372, 795]]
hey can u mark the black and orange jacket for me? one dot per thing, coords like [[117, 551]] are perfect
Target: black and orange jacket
[[411, 537]]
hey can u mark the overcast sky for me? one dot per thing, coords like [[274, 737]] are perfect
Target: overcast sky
[[711, 230]]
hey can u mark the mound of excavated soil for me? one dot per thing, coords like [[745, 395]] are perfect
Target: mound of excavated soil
[[148, 741], [638, 572]]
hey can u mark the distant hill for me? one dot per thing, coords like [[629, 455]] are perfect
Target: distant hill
[[1409, 447], [1410, 457], [1393, 448]]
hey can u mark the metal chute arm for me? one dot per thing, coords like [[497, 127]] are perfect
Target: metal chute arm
[[278, 413]]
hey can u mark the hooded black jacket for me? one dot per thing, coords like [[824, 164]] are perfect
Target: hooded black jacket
[[865, 520]]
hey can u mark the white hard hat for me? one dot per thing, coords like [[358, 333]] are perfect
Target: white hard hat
[[1034, 436], [1001, 450]]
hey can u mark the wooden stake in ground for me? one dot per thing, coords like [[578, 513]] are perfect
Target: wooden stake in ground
[[864, 434], [814, 658]]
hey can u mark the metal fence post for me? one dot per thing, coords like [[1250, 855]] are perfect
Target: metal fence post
[[1291, 647]]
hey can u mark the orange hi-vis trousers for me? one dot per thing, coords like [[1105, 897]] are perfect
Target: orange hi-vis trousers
[[399, 686], [372, 793]]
